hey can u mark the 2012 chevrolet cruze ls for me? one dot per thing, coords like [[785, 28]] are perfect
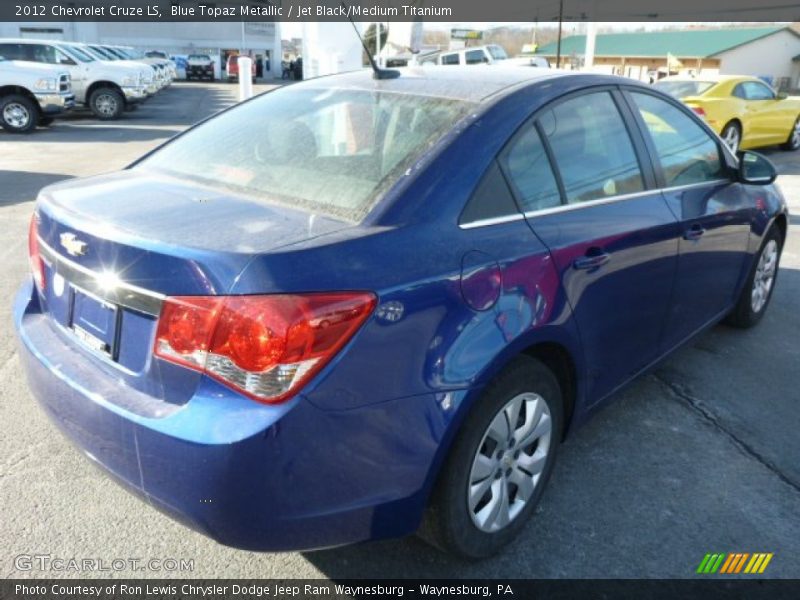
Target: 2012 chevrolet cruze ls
[[353, 308]]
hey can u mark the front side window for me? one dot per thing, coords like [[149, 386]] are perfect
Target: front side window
[[529, 172], [333, 151], [688, 154], [77, 53], [450, 59], [592, 148]]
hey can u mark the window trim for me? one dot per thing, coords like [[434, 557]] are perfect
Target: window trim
[[649, 181], [654, 180]]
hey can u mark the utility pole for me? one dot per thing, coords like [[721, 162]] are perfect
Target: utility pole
[[560, 21]]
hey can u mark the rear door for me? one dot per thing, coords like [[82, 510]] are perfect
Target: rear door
[[579, 176], [712, 210]]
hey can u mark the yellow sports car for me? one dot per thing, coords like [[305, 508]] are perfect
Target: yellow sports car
[[744, 111]]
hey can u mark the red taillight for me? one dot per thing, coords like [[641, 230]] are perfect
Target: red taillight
[[264, 346], [699, 111], [37, 264]]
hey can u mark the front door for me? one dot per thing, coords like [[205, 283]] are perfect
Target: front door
[[577, 176], [714, 219]]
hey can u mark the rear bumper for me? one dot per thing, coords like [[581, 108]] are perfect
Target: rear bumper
[[248, 475]]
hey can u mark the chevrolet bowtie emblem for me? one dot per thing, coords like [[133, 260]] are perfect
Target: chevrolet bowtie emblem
[[73, 245]]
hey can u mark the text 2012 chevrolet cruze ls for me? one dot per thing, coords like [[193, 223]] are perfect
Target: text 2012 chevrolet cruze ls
[[353, 307]]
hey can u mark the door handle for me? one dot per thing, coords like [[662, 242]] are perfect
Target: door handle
[[694, 233], [595, 257]]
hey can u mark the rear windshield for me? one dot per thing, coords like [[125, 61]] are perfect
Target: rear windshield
[[682, 89], [322, 150], [199, 57]]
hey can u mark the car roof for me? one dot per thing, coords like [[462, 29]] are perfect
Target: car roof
[[477, 83]]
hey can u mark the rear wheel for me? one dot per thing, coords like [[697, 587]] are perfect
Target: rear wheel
[[499, 464], [757, 291], [107, 104], [793, 143], [18, 114], [732, 136]]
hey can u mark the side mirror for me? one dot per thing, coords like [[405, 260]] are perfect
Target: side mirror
[[782, 96], [66, 61], [755, 168]]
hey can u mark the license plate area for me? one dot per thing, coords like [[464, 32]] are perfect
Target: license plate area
[[94, 322]]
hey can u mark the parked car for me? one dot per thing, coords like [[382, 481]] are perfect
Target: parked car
[[106, 89], [392, 298], [107, 56], [173, 68], [232, 68], [744, 111], [163, 67], [479, 55], [199, 66], [32, 94]]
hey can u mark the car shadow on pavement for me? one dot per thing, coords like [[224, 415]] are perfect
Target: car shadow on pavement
[[16, 186]]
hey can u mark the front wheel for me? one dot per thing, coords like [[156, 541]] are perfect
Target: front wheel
[[107, 104], [732, 136], [757, 291], [499, 464], [18, 114], [793, 143]]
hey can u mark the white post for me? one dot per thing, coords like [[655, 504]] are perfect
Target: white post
[[588, 61], [245, 78]]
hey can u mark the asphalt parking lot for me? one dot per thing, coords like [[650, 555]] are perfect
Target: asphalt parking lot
[[702, 455]]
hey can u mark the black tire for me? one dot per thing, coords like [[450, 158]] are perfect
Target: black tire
[[107, 104], [448, 523], [18, 114], [744, 315], [793, 142], [726, 132], [45, 121]]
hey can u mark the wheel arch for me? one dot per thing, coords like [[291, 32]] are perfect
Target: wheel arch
[[8, 90], [96, 85]]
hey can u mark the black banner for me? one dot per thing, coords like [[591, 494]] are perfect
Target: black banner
[[551, 589], [397, 10]]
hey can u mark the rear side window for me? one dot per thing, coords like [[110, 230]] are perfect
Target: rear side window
[[688, 154], [529, 173], [592, 148], [492, 199], [757, 91], [475, 57]]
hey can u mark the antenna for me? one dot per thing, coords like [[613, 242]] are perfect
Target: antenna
[[377, 72]]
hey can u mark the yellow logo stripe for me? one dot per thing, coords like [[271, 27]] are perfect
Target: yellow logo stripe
[[765, 563], [752, 563]]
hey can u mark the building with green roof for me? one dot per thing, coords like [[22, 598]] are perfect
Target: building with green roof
[[766, 52]]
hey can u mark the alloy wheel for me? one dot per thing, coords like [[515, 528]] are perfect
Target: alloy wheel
[[509, 462], [731, 138], [16, 115], [764, 276], [794, 141], [106, 105]]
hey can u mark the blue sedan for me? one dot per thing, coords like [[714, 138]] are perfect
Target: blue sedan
[[356, 308]]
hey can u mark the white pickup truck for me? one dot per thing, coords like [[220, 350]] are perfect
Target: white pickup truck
[[31, 94], [106, 88]]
